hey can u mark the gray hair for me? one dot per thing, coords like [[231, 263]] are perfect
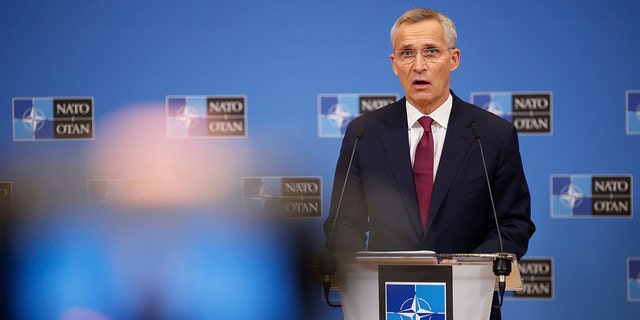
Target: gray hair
[[423, 14]]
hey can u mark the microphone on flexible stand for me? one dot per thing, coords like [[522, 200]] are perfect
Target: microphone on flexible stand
[[326, 261], [327, 266], [502, 262]]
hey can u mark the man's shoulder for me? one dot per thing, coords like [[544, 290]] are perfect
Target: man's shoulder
[[387, 113], [392, 107]]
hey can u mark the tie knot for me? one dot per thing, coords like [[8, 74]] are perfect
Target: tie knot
[[426, 122]]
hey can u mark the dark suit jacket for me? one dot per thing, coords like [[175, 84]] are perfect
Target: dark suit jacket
[[379, 210]]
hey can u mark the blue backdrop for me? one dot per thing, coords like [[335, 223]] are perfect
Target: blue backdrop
[[129, 56]]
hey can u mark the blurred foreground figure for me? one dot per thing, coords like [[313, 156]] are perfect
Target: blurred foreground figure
[[152, 264], [156, 233]]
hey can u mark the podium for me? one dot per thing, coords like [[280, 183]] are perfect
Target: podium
[[418, 285]]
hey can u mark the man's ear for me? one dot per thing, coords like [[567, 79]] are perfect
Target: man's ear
[[455, 59], [393, 64]]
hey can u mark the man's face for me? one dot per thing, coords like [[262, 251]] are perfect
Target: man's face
[[426, 83]]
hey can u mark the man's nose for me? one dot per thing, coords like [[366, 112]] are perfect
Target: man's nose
[[421, 63]]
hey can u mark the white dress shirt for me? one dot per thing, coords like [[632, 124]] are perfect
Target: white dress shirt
[[440, 118]]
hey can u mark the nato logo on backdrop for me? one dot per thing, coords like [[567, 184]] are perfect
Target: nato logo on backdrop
[[537, 279], [106, 192], [633, 279], [335, 111], [580, 195], [5, 192], [530, 112], [289, 197], [633, 112], [206, 116], [39, 119]]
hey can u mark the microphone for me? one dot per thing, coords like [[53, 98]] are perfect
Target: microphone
[[326, 261], [502, 262]]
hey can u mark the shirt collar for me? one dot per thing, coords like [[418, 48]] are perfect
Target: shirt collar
[[440, 115]]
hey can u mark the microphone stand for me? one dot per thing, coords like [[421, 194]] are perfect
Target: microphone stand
[[326, 261], [502, 261]]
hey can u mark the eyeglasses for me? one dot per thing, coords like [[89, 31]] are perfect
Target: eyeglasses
[[429, 54]]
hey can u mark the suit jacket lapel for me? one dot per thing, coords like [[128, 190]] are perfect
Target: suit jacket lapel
[[458, 139], [395, 142]]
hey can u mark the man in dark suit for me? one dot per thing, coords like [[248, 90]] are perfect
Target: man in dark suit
[[380, 209]]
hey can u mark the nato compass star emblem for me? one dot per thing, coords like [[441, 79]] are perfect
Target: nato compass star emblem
[[104, 192], [33, 119], [106, 197], [262, 195], [571, 196], [494, 108], [338, 114], [187, 116], [415, 309]]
